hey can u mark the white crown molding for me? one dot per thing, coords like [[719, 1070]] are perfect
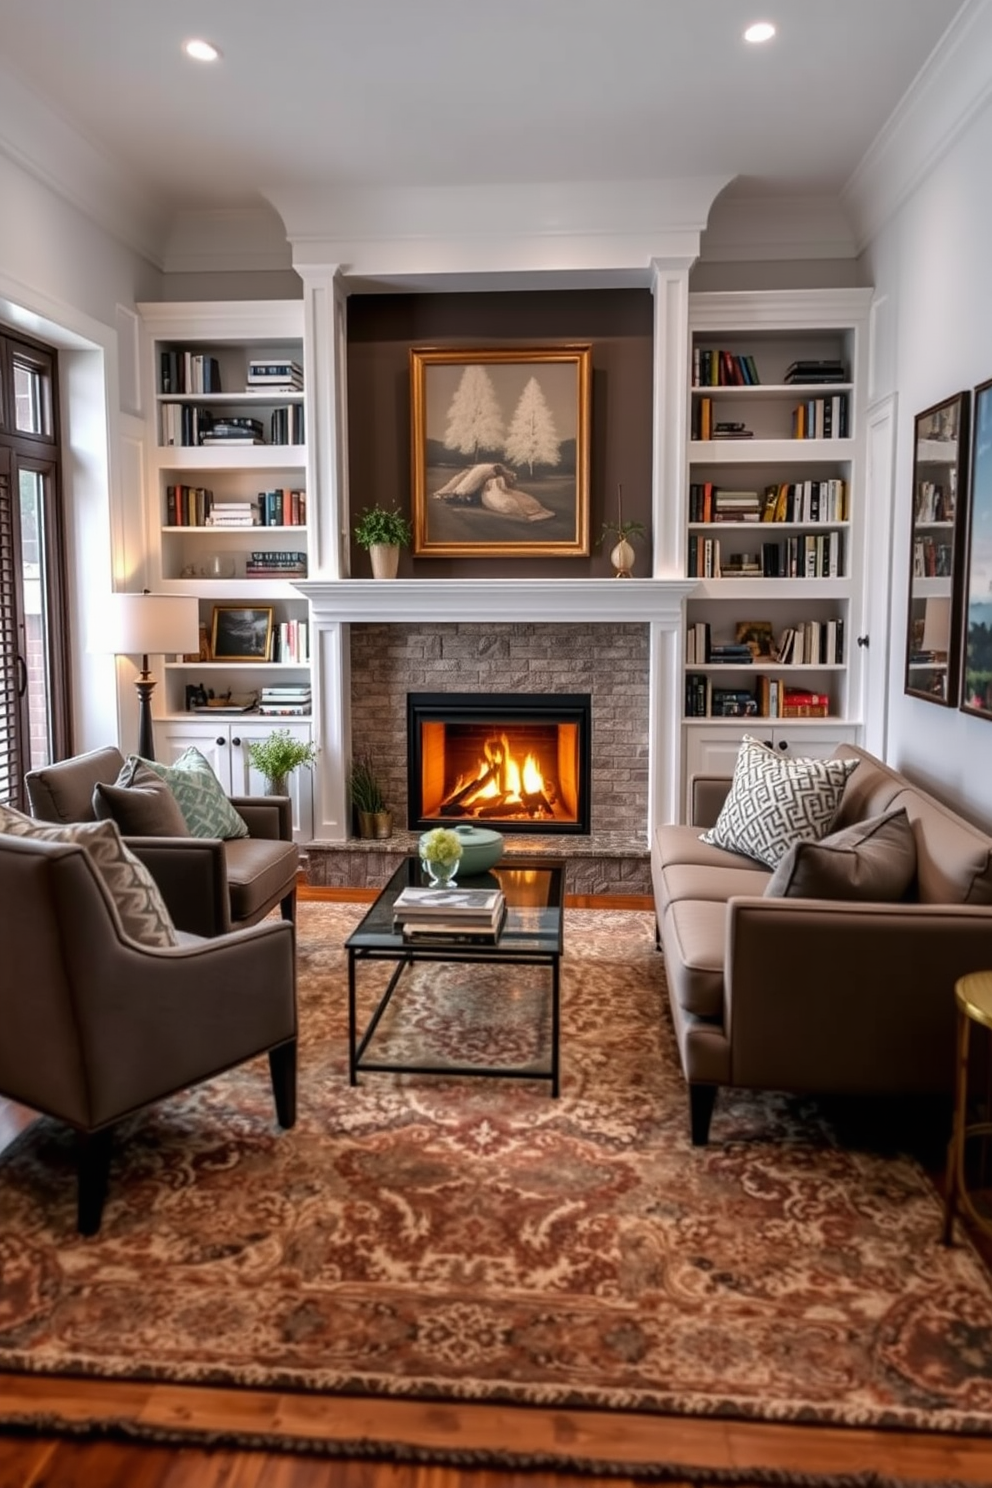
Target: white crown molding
[[249, 239], [41, 143], [954, 84], [746, 229], [582, 233]]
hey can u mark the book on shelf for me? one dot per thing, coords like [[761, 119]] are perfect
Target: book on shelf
[[286, 424], [232, 441], [188, 372], [716, 367], [274, 370], [830, 369], [447, 903]]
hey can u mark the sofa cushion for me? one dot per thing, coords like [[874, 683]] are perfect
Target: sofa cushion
[[257, 868], [872, 860], [140, 907], [776, 800], [201, 797], [692, 881], [141, 804], [695, 931], [953, 857]]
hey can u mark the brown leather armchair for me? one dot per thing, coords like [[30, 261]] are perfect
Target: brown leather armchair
[[95, 1026], [210, 886]]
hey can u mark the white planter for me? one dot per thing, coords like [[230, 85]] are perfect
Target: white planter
[[385, 560]]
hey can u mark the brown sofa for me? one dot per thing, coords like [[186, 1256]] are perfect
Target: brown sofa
[[210, 886], [811, 995]]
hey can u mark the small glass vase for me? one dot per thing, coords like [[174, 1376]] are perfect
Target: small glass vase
[[440, 874]]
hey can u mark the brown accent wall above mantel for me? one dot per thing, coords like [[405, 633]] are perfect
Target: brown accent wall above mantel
[[619, 325]]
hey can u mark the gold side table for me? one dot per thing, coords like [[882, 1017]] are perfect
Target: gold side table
[[973, 995]]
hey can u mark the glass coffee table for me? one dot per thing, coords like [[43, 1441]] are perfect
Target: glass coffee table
[[531, 936]]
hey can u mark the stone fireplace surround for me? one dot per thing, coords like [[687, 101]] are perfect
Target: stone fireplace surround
[[618, 640]]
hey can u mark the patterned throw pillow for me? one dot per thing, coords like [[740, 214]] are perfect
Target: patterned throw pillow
[[201, 797], [141, 908], [775, 801]]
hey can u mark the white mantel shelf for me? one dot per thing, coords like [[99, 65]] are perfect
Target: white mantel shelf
[[553, 601]]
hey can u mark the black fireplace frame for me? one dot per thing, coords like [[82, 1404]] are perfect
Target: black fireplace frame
[[497, 708]]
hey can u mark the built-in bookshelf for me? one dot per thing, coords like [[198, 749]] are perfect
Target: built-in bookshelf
[[228, 513], [774, 524]]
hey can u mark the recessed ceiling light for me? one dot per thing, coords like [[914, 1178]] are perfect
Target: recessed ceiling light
[[760, 31], [200, 51]]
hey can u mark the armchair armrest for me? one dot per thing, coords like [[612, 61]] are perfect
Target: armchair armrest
[[266, 816], [191, 874], [837, 995], [707, 795]]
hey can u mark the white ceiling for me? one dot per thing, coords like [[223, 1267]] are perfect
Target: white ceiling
[[325, 93]]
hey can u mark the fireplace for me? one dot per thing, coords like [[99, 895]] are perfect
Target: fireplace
[[519, 761]]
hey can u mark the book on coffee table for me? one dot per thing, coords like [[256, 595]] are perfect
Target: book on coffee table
[[455, 932], [447, 903]]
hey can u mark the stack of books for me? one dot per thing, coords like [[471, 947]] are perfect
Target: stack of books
[[236, 431], [291, 701], [231, 514], [275, 375], [829, 369], [273, 563], [450, 916]]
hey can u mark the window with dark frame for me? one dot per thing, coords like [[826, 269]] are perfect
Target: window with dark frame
[[34, 643]]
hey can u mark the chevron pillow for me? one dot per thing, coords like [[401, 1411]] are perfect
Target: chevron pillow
[[775, 801], [202, 801], [140, 907]]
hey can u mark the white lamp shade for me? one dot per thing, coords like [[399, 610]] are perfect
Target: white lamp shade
[[937, 624], [151, 624]]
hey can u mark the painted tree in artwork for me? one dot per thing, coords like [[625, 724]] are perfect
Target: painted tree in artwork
[[475, 419], [533, 438]]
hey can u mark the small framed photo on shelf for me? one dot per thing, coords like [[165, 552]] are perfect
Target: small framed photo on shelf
[[242, 632], [758, 635], [976, 670], [501, 451]]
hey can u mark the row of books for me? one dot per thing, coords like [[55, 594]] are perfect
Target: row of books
[[186, 424], [450, 916], [188, 372], [282, 508], [286, 425], [787, 501], [276, 563], [931, 559], [812, 643], [286, 702], [291, 642], [705, 425], [771, 697], [804, 556], [807, 643], [933, 502], [712, 367], [821, 418]]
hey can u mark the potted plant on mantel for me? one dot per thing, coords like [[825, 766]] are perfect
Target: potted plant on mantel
[[383, 533], [278, 755], [623, 555], [368, 798]]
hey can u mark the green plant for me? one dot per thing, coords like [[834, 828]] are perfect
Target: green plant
[[377, 525], [440, 846], [364, 790], [279, 753]]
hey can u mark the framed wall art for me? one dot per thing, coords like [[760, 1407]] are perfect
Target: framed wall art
[[242, 633], [501, 451], [976, 670], [940, 468]]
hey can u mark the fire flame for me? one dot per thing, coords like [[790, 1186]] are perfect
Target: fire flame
[[501, 778]]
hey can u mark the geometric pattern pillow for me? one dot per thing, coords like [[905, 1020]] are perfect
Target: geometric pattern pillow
[[141, 908], [873, 860], [141, 804], [205, 807], [775, 801]]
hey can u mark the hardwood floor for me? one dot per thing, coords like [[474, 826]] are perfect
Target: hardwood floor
[[53, 1462]]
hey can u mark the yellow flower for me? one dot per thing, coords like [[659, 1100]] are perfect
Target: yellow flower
[[441, 846]]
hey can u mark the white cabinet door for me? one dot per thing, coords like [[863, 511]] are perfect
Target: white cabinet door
[[224, 744], [211, 737], [713, 751]]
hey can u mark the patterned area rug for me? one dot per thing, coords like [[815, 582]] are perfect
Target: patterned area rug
[[475, 1239]]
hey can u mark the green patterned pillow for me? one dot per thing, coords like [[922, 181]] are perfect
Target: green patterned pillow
[[140, 906], [202, 801]]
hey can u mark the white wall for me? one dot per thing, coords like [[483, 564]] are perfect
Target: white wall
[[61, 281], [931, 269]]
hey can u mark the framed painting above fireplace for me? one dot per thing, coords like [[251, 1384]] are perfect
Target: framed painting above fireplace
[[501, 451]]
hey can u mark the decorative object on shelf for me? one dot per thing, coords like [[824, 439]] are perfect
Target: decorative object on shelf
[[220, 566], [375, 820], [144, 625], [242, 633], [278, 755], [383, 533], [501, 451], [976, 692], [440, 855], [622, 555], [933, 636], [481, 848]]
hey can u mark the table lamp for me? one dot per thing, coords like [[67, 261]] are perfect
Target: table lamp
[[151, 624]]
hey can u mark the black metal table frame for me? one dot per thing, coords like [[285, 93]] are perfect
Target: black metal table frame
[[470, 956]]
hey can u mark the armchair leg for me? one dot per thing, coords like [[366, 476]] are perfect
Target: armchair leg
[[94, 1170], [287, 907], [702, 1099], [282, 1066]]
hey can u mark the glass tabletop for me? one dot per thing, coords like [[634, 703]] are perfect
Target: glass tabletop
[[534, 898]]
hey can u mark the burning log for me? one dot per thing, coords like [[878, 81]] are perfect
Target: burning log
[[497, 806], [537, 803], [464, 794]]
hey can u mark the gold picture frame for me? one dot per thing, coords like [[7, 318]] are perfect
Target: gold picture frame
[[500, 448], [242, 633]]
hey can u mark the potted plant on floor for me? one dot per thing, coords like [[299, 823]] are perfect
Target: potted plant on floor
[[368, 798], [383, 533], [278, 755]]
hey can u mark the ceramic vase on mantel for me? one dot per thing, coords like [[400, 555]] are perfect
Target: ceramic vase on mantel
[[385, 560], [622, 558]]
